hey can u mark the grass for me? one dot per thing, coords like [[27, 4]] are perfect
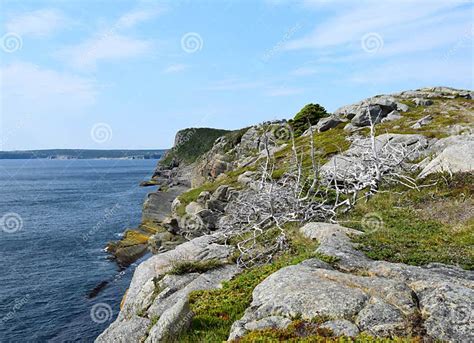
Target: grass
[[216, 310], [191, 195], [305, 332], [412, 230], [184, 267], [441, 121]]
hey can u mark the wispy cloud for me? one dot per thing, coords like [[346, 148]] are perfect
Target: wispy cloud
[[39, 23], [403, 25], [26, 85], [175, 68], [138, 16], [234, 84], [283, 91], [113, 43], [104, 46], [304, 71], [451, 71]]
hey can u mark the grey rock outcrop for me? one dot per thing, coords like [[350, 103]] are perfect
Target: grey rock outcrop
[[142, 292], [381, 298], [422, 102], [171, 304], [454, 158], [422, 122], [324, 124], [394, 115], [377, 107]]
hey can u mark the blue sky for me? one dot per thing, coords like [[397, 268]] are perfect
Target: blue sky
[[129, 74]]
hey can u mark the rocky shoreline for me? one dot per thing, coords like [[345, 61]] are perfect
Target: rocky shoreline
[[192, 228]]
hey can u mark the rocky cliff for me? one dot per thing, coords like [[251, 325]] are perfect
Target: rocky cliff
[[362, 227]]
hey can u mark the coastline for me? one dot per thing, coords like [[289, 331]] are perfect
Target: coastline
[[156, 232]]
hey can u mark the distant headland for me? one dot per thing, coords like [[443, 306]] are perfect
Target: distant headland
[[63, 154]]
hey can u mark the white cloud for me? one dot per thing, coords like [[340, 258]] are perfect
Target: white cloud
[[234, 84], [175, 68], [105, 46], [404, 26], [136, 17], [283, 91], [112, 43], [28, 87], [422, 72], [304, 71], [40, 23]]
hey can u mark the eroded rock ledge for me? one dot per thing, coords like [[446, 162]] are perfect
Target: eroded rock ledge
[[155, 307], [356, 294]]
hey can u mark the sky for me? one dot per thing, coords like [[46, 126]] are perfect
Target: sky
[[115, 74]]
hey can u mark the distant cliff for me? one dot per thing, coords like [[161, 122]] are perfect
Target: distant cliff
[[189, 144]]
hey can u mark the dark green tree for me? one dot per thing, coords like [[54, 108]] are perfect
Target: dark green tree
[[308, 115]]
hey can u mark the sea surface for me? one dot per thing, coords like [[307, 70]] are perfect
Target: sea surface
[[56, 217]]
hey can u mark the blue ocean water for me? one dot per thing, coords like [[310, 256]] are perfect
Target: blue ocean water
[[55, 218]]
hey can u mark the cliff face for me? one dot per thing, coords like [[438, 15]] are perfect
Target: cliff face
[[397, 264]]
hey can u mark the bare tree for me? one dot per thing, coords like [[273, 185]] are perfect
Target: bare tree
[[256, 219]]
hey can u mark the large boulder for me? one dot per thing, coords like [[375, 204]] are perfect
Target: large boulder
[[171, 304], [454, 158], [357, 294], [374, 109], [141, 294], [324, 124]]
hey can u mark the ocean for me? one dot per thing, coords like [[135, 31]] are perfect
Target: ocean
[[56, 217]]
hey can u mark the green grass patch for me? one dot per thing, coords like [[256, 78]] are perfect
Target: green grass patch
[[443, 111], [419, 227], [184, 267], [216, 310], [305, 332]]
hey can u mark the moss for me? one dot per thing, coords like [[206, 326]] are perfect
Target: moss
[[326, 258], [304, 332], [141, 312], [404, 233], [133, 237], [184, 267], [154, 320], [151, 227]]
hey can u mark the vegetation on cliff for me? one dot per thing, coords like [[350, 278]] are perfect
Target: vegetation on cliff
[[190, 144], [308, 115]]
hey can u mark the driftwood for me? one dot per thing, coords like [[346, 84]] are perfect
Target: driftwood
[[257, 218]]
